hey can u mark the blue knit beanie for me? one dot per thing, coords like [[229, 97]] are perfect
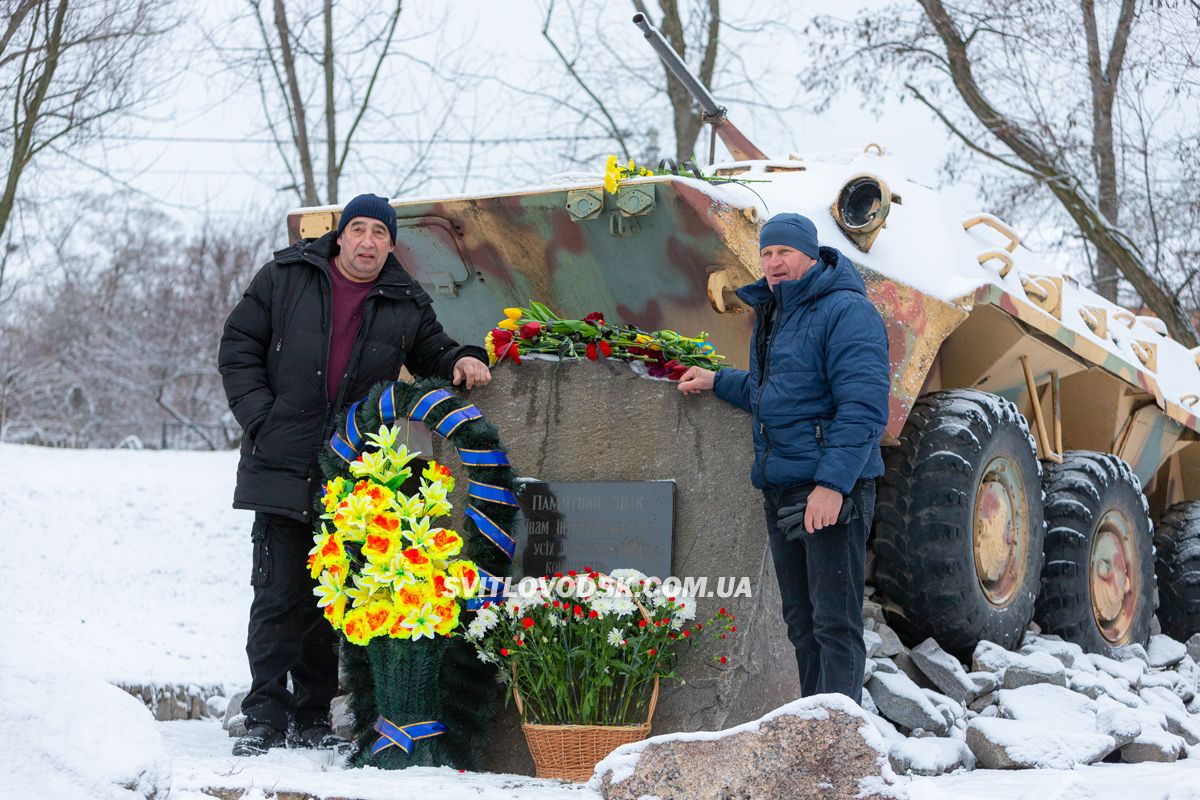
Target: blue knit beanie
[[369, 205], [790, 230]]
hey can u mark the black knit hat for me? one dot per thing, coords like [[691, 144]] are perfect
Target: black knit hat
[[369, 205]]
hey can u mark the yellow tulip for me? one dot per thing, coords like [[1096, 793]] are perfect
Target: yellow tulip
[[508, 324], [513, 313]]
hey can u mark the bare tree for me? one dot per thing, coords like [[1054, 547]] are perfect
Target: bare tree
[[68, 68], [318, 67], [618, 85], [1040, 88], [145, 314]]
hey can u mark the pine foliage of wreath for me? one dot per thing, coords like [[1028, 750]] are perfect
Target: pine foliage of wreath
[[469, 692]]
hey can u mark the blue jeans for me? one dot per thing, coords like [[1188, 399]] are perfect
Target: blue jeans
[[821, 579]]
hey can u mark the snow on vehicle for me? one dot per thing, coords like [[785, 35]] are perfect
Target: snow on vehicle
[[1035, 428]]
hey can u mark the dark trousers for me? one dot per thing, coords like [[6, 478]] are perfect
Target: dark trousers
[[821, 579], [287, 632]]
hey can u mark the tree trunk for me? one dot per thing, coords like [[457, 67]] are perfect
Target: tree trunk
[[1103, 80], [1109, 240], [293, 86]]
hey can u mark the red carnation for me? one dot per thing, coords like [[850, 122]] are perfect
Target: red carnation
[[593, 614], [527, 622], [722, 659], [579, 611], [596, 318], [652, 651], [641, 623], [530, 330], [504, 651], [605, 348], [591, 352]]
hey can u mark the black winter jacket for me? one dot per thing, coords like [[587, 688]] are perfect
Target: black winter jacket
[[273, 358]]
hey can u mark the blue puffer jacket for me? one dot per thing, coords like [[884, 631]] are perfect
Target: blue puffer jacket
[[818, 390]]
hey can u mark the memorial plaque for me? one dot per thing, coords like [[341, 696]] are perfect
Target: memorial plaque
[[604, 525]]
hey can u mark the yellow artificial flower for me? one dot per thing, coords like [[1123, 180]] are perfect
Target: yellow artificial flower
[[355, 627], [380, 546], [366, 584], [412, 597], [465, 577], [327, 550], [436, 504], [379, 616], [445, 544], [448, 611], [405, 507], [331, 594], [422, 622], [440, 473], [419, 534]]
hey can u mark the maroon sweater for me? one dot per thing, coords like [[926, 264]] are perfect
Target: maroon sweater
[[348, 301]]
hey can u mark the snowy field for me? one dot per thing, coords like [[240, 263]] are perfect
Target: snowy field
[[130, 567]]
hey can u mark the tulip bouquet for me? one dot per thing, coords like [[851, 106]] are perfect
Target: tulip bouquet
[[537, 329], [585, 648]]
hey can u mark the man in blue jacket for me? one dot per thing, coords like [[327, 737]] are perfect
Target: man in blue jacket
[[817, 392]]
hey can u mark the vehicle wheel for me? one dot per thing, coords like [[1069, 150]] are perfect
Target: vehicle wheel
[[958, 531], [1177, 539], [1098, 581]]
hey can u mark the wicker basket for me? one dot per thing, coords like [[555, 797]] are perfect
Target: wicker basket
[[571, 752]]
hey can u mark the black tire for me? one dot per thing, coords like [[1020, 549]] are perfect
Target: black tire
[[1177, 539], [1082, 493], [925, 537]]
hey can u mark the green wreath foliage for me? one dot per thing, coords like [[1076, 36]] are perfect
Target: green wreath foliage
[[468, 692]]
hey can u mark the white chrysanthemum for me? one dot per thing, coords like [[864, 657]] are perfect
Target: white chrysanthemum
[[616, 606], [486, 657], [685, 607], [615, 638], [629, 577], [485, 620]]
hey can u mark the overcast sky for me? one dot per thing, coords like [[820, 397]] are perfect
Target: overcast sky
[[203, 151]]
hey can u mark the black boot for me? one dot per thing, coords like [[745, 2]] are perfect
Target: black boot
[[258, 739], [318, 736]]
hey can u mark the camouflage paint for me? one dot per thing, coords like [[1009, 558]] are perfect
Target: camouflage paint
[[917, 324], [652, 270]]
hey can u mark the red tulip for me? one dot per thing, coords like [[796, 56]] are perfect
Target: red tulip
[[530, 329]]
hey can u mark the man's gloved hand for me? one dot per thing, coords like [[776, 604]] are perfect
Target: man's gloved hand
[[819, 508]]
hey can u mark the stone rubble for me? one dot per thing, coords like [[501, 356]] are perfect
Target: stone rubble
[[1047, 704]]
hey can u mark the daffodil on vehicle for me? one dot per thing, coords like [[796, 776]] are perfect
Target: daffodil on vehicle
[[384, 566]]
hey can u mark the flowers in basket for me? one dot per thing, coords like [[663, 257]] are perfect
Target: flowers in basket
[[385, 568], [537, 329], [587, 648]]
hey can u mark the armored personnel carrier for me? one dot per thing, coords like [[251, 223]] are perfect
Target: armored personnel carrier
[[1042, 450]]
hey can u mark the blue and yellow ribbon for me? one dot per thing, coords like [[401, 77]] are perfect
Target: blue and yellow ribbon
[[427, 402], [451, 422], [495, 534], [403, 736], [482, 458], [387, 404], [343, 449], [493, 494]]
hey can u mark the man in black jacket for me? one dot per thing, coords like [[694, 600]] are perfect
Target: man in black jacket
[[319, 325]]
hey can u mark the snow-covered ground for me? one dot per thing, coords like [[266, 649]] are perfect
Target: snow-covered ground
[[130, 567]]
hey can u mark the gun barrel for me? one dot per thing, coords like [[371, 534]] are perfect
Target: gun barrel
[[678, 68]]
